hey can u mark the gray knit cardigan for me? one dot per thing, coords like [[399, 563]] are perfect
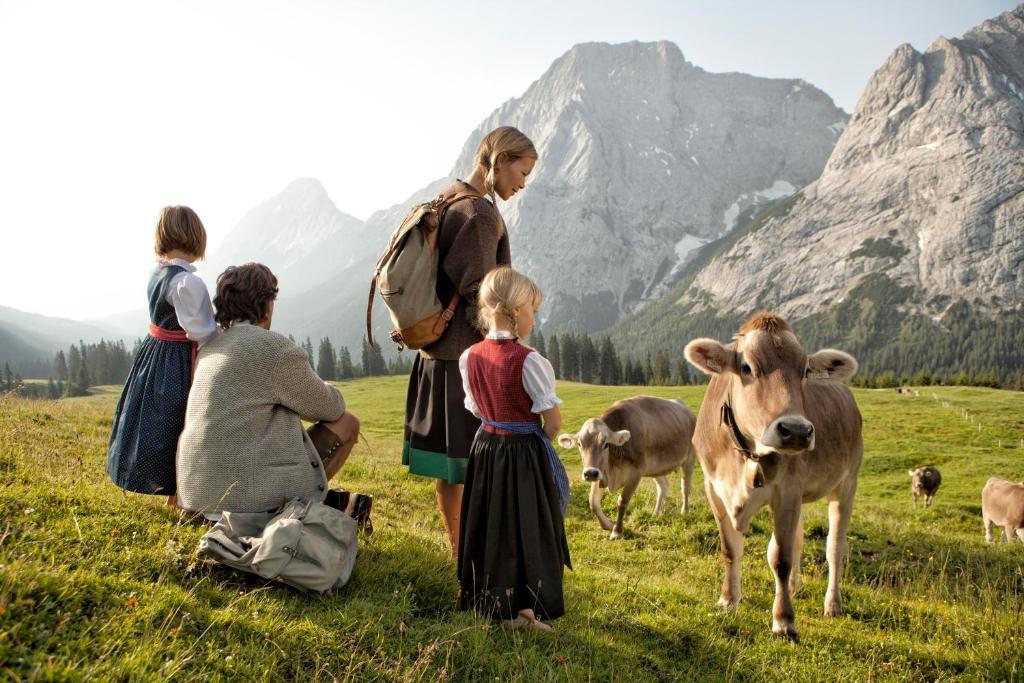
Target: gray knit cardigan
[[244, 448]]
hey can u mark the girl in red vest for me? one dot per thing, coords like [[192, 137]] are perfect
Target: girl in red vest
[[151, 413], [512, 547]]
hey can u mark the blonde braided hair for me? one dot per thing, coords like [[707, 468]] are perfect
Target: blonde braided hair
[[501, 291], [502, 145]]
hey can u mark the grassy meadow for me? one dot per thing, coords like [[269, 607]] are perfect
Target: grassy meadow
[[99, 584]]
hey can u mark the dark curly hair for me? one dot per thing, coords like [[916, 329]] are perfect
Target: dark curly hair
[[244, 294]]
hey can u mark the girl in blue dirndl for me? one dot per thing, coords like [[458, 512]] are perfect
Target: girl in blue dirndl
[[151, 412]]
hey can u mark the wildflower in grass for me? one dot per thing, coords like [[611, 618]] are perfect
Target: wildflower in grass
[[115, 532], [132, 602]]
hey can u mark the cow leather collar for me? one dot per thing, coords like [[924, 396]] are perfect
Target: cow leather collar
[[739, 442], [759, 468]]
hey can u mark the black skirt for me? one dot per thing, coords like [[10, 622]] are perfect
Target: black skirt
[[512, 546], [438, 428]]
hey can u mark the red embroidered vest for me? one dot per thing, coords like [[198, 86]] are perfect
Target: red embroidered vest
[[495, 368]]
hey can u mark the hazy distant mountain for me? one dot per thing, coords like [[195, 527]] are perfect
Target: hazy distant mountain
[[299, 233], [28, 339]]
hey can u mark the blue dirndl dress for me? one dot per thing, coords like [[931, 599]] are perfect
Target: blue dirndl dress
[[150, 415]]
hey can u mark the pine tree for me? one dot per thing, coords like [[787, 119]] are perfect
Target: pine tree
[[608, 363], [588, 360], [662, 371], [308, 347], [536, 340], [326, 362], [8, 383], [345, 369], [554, 356], [648, 371], [60, 366], [570, 358], [366, 362], [377, 363], [51, 389]]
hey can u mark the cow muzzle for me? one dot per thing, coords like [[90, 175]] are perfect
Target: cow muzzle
[[591, 474], [789, 433]]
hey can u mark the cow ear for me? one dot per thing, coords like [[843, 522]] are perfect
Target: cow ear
[[620, 437], [566, 440], [910, 473], [709, 356], [831, 364]]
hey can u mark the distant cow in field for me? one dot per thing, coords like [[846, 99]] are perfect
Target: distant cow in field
[[1002, 504], [777, 428], [924, 481], [637, 437]]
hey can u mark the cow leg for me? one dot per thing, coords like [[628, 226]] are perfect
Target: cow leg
[[1008, 532], [927, 501], [840, 509], [988, 529], [795, 580], [1020, 534], [628, 488], [662, 485], [596, 496], [786, 513], [915, 501], [732, 551], [685, 484]]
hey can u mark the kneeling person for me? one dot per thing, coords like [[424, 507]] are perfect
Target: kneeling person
[[243, 448]]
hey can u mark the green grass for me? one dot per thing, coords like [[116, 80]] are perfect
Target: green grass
[[97, 583]]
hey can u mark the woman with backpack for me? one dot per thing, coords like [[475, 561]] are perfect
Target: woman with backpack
[[471, 242]]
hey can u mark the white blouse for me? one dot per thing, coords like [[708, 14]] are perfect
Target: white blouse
[[538, 379], [191, 301]]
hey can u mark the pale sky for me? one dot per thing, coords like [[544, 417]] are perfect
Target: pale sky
[[111, 110]]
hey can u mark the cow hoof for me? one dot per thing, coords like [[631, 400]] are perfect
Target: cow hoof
[[786, 630], [728, 605], [833, 606], [615, 535]]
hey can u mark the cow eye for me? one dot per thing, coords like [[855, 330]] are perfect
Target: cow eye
[[745, 369]]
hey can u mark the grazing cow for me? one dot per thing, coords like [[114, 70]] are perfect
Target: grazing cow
[[637, 437], [924, 481], [777, 428], [1002, 504]]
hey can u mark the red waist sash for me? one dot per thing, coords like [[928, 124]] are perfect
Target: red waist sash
[[175, 336]]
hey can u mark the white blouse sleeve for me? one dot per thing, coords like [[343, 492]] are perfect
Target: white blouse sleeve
[[539, 382], [191, 303], [470, 403]]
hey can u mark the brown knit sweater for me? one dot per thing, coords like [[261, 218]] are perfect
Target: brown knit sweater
[[471, 242]]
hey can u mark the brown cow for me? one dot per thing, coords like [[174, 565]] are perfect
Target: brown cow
[[643, 436], [776, 428], [1002, 504]]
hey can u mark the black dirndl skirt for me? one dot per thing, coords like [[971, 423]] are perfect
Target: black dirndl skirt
[[512, 546], [438, 428], [150, 417]]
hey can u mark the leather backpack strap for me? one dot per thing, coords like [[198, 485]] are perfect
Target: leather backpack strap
[[449, 311], [369, 309]]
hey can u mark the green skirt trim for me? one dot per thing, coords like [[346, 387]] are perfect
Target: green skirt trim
[[434, 465]]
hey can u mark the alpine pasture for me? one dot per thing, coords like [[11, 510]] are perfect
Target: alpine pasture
[[99, 584]]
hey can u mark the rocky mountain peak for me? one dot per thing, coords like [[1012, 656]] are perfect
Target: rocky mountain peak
[[924, 188]]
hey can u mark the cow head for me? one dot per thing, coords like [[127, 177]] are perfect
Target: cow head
[[765, 370], [916, 481], [593, 440]]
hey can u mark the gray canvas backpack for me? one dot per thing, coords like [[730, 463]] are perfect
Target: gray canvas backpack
[[407, 276], [307, 545]]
